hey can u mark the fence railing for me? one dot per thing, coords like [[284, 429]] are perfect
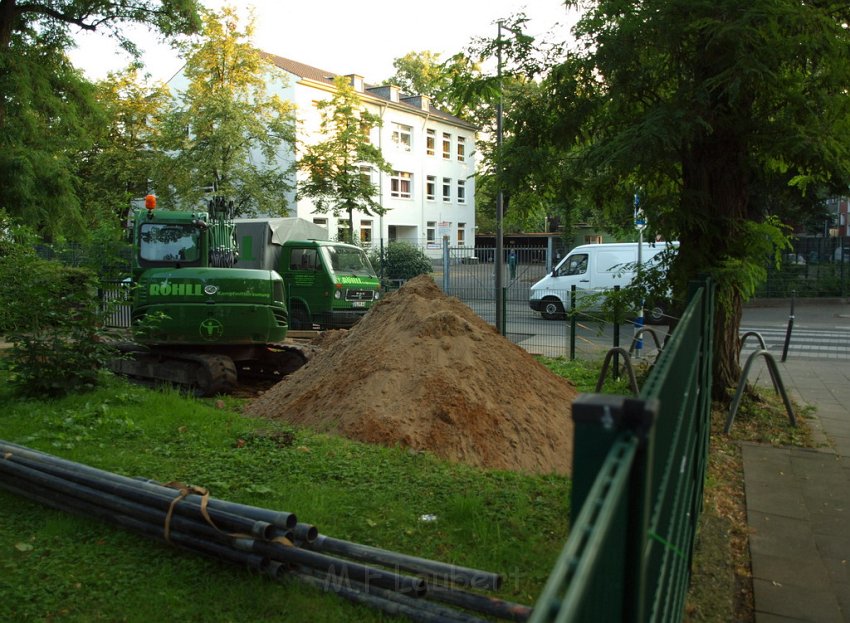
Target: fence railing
[[639, 466]]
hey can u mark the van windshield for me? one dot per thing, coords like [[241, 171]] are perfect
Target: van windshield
[[573, 265], [348, 261]]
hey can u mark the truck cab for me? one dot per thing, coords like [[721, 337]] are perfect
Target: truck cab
[[330, 284]]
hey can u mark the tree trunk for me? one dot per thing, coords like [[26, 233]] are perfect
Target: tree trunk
[[715, 204], [8, 15]]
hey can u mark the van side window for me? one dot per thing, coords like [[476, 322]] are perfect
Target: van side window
[[575, 265], [303, 259]]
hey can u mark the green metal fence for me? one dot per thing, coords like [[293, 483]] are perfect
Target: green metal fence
[[639, 465]]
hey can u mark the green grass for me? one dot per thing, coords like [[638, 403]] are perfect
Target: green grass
[[59, 567]]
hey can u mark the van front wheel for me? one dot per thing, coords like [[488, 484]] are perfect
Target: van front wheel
[[553, 309]]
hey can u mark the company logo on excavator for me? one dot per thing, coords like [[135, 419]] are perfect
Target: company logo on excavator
[[176, 289]]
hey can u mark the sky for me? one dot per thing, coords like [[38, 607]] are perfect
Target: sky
[[341, 36]]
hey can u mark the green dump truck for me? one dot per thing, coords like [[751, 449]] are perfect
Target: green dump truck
[[329, 285]]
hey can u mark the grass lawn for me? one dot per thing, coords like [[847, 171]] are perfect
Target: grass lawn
[[58, 567]]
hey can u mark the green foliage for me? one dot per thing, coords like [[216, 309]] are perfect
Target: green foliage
[[55, 18], [47, 117], [339, 167], [698, 105], [50, 120], [226, 133], [402, 260], [51, 315], [17, 251], [117, 166]]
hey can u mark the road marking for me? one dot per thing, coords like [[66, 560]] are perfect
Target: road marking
[[807, 343]]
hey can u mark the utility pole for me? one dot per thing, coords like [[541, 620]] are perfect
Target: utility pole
[[499, 259]]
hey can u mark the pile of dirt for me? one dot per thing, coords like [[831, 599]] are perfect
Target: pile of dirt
[[422, 370]]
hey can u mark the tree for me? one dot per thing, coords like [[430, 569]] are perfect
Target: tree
[[48, 112], [117, 166], [48, 117], [338, 169], [226, 133], [695, 104], [422, 73], [54, 18]]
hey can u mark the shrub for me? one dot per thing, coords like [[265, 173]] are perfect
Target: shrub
[[52, 317], [402, 260]]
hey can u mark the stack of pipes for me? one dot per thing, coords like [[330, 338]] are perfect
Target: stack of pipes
[[272, 542]]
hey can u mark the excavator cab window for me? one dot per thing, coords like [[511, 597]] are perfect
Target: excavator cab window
[[169, 243]]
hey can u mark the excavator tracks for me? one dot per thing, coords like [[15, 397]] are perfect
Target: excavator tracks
[[208, 374]]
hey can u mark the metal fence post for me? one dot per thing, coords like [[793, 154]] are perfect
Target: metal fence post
[[572, 322], [616, 333], [446, 264]]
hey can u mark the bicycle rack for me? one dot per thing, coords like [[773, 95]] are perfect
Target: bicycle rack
[[627, 364], [754, 334], [773, 369]]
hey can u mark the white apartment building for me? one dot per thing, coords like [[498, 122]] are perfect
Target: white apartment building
[[431, 192]]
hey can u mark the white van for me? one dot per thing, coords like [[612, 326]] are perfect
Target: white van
[[593, 268]]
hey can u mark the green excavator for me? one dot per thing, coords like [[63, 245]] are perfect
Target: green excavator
[[199, 321]]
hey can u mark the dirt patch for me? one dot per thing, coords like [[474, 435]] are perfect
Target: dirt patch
[[422, 370]]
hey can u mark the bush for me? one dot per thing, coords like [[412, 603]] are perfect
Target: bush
[[52, 317], [402, 260]]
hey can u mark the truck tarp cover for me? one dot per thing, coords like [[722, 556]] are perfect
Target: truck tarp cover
[[260, 239]]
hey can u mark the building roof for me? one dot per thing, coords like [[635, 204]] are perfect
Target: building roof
[[415, 104]]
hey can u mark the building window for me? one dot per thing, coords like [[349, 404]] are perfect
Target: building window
[[366, 173], [430, 141], [431, 187], [431, 232], [400, 184], [461, 149], [461, 234], [321, 222], [366, 130], [402, 136], [366, 232], [447, 189], [461, 191], [447, 146], [343, 231]]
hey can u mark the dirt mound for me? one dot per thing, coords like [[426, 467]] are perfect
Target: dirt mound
[[424, 371]]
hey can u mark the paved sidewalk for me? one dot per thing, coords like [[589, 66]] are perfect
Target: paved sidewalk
[[798, 504]]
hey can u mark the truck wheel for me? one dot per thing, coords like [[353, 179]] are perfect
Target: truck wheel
[[553, 309], [299, 319]]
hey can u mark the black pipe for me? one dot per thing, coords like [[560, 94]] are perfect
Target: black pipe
[[484, 604], [89, 498], [391, 602], [47, 485], [278, 518], [305, 532], [281, 519], [370, 576], [222, 519], [143, 506], [433, 570], [186, 540]]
